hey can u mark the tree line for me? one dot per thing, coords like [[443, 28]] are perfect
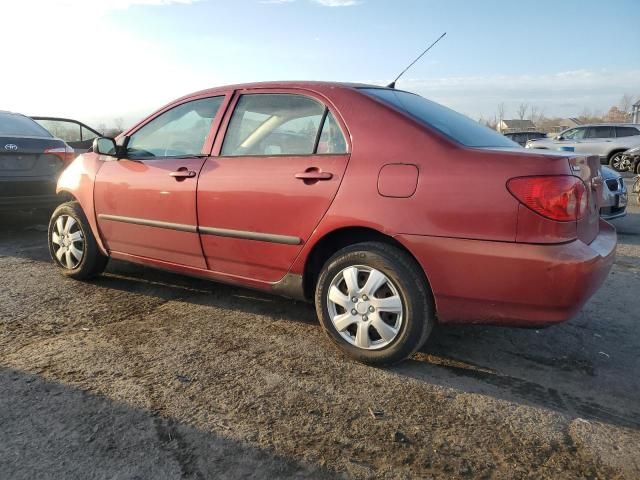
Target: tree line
[[620, 113]]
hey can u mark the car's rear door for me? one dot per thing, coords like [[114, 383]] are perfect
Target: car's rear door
[[596, 140], [146, 202], [271, 179]]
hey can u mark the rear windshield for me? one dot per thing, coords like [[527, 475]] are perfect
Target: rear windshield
[[18, 125], [453, 124]]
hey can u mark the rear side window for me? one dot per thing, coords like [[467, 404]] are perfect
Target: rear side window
[[454, 125], [18, 125], [600, 132], [178, 132], [281, 124], [626, 131]]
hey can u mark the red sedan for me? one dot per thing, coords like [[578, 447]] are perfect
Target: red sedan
[[390, 211]]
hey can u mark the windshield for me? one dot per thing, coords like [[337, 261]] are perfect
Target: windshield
[[454, 125], [18, 125]]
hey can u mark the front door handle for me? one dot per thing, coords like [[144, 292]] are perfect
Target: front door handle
[[313, 174], [182, 173]]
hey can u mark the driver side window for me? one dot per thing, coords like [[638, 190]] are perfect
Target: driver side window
[[178, 132], [575, 134]]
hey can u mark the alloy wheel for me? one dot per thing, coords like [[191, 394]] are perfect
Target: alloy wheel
[[68, 242], [365, 307], [620, 163]]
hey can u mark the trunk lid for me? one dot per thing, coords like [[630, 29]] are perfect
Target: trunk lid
[[25, 157], [588, 169]]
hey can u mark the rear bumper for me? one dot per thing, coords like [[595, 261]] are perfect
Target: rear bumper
[[512, 284]]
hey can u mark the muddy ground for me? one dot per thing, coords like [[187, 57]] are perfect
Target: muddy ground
[[147, 375]]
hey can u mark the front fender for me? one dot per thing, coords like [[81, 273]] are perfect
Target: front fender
[[78, 180]]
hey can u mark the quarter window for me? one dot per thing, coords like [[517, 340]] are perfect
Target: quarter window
[[331, 138], [178, 132], [626, 131], [281, 124]]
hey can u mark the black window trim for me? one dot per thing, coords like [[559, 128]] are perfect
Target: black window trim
[[325, 114]]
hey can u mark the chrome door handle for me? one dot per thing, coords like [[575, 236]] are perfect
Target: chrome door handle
[[183, 173]]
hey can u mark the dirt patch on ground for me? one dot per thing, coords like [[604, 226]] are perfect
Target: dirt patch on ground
[[143, 374]]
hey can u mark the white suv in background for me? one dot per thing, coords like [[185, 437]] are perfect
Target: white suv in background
[[608, 140]]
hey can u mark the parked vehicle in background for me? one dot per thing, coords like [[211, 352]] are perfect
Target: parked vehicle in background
[[609, 141], [631, 160], [76, 134], [31, 160], [614, 203], [523, 137], [249, 184]]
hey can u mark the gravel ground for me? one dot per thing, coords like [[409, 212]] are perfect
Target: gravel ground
[[144, 374]]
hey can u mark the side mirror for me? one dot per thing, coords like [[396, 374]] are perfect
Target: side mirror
[[105, 146], [559, 137]]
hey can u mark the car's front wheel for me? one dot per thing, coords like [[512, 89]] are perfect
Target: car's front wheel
[[619, 163], [72, 245], [374, 303]]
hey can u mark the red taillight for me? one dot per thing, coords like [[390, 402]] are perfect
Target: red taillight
[[560, 197], [66, 154]]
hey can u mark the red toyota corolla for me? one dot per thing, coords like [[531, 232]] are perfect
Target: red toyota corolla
[[390, 211]]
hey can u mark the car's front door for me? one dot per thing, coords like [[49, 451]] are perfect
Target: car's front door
[[596, 140], [146, 202], [272, 178], [570, 139]]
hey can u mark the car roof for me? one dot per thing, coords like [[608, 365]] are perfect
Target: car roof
[[316, 86]]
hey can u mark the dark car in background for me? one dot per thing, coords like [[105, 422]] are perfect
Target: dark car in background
[[523, 137], [631, 160], [31, 160], [614, 195], [76, 134]]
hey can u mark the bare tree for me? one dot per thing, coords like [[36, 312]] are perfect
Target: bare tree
[[118, 124], [625, 103], [522, 110], [500, 116]]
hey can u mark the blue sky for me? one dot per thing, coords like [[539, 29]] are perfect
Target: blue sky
[[131, 56]]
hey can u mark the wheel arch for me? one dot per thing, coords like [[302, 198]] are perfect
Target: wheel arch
[[338, 239], [614, 151]]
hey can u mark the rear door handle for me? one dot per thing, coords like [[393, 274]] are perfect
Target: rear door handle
[[183, 173], [314, 174]]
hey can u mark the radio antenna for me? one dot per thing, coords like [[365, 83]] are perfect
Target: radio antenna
[[393, 84]]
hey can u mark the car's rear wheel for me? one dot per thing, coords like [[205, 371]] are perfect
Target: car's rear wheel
[[72, 245], [373, 301], [619, 163]]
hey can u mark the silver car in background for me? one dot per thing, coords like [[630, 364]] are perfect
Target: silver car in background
[[607, 140], [615, 197]]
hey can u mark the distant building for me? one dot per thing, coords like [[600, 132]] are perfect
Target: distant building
[[568, 123], [635, 112], [507, 126], [564, 124]]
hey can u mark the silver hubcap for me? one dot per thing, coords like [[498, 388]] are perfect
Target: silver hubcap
[[365, 307], [67, 241]]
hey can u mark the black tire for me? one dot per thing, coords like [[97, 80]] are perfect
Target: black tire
[[614, 160], [408, 279], [93, 262]]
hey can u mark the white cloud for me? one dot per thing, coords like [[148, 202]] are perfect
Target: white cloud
[[562, 93], [338, 3], [87, 67], [324, 3]]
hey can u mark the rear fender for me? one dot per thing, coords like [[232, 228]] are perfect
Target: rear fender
[[78, 180]]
